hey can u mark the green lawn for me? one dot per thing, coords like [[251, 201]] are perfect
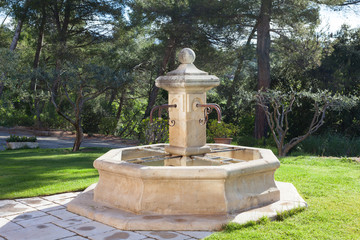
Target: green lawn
[[331, 187], [27, 172]]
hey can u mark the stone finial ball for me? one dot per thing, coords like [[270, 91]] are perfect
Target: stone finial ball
[[186, 56]]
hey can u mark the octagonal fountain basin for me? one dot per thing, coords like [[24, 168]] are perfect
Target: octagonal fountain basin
[[229, 179]]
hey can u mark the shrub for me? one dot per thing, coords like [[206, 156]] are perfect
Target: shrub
[[220, 130], [14, 138], [108, 125], [331, 144], [14, 117], [156, 132]]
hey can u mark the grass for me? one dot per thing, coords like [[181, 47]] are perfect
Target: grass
[[37, 172], [331, 187]]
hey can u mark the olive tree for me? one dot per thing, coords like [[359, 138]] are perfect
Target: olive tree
[[278, 105], [80, 84]]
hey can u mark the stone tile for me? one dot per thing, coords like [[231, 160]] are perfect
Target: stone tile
[[117, 235], [69, 222], [61, 196], [63, 214], [26, 216], [11, 207], [7, 226], [74, 238], [196, 234], [38, 232], [51, 207], [91, 229], [37, 221], [34, 202], [63, 201], [162, 235]]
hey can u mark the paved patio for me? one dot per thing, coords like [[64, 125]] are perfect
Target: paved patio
[[46, 218]]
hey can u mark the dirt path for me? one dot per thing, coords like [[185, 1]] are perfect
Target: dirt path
[[63, 139]]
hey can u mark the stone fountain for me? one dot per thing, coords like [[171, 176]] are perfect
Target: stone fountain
[[186, 184]]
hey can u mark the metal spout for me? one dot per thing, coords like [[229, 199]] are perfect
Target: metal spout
[[208, 109], [159, 112]]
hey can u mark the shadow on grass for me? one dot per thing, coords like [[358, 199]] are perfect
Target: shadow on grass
[[26, 173], [232, 226]]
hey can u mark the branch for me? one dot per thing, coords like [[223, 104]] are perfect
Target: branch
[[7, 15], [67, 95], [59, 111], [316, 123], [347, 3], [90, 96]]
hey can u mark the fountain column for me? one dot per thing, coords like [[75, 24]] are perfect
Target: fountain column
[[187, 86]]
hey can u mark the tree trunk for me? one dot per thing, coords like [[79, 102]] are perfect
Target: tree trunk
[[62, 31], [154, 91], [16, 35], [121, 104], [33, 84], [79, 136], [2, 85], [263, 59], [78, 128], [19, 26]]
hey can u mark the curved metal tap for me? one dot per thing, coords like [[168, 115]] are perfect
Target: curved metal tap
[[172, 122], [207, 110]]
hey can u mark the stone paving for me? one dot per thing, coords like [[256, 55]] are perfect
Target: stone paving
[[46, 218]]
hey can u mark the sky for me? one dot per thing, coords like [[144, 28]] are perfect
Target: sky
[[331, 20]]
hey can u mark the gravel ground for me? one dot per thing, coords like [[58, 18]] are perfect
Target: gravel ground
[[60, 139]]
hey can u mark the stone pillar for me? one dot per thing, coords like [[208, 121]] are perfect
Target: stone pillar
[[187, 86]]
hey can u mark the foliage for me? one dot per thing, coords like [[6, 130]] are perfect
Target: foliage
[[13, 115], [78, 85], [251, 141], [331, 188], [130, 122], [14, 138], [296, 55], [66, 46], [339, 70], [108, 125], [330, 144], [46, 171], [220, 130], [91, 117], [278, 106], [155, 132]]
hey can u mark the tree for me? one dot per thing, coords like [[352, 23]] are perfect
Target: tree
[[78, 86], [22, 12], [173, 25], [278, 106], [263, 59]]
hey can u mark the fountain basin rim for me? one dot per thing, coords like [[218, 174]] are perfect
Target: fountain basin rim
[[111, 163]]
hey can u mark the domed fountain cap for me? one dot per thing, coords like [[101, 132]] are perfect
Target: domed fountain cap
[[186, 56], [187, 76]]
